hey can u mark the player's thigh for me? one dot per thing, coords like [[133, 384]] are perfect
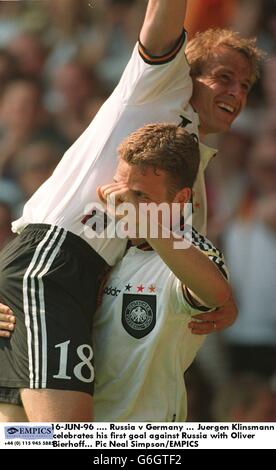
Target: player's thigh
[[12, 413], [50, 405]]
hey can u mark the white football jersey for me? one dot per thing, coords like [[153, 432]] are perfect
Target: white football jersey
[[149, 91], [142, 342]]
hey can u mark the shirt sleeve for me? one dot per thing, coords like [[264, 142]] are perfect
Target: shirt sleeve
[[163, 59], [182, 299], [148, 78], [213, 253]]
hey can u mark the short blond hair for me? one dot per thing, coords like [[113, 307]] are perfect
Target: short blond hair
[[204, 44], [164, 147]]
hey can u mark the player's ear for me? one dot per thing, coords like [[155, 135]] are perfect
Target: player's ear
[[183, 196]]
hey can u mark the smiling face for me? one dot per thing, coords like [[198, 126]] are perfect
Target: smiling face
[[220, 92]]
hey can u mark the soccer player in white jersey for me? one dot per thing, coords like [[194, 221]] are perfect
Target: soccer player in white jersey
[[155, 87], [142, 342]]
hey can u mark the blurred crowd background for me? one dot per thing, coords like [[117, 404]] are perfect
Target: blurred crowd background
[[59, 61]]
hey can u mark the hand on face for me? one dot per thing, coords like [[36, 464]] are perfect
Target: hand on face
[[119, 201], [130, 207], [116, 193]]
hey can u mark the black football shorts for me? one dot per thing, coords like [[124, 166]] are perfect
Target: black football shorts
[[49, 278]]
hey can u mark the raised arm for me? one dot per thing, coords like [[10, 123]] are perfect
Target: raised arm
[[195, 270], [163, 25]]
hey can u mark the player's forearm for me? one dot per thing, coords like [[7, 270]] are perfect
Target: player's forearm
[[195, 270], [162, 25]]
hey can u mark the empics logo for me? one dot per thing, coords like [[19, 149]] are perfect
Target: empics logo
[[28, 432], [12, 430]]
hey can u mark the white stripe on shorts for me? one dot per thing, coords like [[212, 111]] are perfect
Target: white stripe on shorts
[[48, 245]]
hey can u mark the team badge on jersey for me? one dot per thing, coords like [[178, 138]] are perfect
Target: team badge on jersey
[[139, 314]]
